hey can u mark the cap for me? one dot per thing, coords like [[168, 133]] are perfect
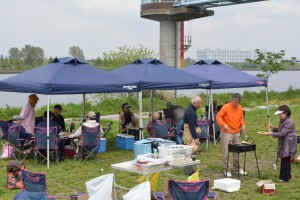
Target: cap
[[127, 106], [278, 112], [32, 98], [91, 114], [17, 117]]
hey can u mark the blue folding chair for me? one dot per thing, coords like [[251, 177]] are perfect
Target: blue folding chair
[[40, 146], [15, 142], [162, 128], [89, 142], [204, 137]]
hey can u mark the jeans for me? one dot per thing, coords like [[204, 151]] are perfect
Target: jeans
[[178, 132]]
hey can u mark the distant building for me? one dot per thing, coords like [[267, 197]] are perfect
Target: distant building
[[228, 55]]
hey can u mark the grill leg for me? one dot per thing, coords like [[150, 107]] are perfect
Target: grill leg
[[245, 162], [238, 166], [227, 164], [257, 164]]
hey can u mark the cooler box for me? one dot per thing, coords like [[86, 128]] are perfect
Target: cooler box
[[102, 147], [141, 147], [124, 141], [162, 142], [69, 151], [227, 184]]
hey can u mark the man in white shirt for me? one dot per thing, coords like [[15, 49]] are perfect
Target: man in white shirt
[[28, 114]]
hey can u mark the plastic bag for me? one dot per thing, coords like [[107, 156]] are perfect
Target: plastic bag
[[194, 177], [141, 191], [7, 151], [100, 188]]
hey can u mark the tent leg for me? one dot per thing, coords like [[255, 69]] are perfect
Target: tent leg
[[141, 115], [48, 122], [268, 106]]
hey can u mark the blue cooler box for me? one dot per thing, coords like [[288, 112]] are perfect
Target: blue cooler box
[[124, 141], [141, 147], [102, 147]]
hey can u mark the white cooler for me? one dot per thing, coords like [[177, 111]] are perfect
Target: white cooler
[[227, 184]]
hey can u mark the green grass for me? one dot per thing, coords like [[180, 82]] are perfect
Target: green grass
[[69, 177]]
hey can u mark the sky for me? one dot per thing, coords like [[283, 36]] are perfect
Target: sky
[[98, 26]]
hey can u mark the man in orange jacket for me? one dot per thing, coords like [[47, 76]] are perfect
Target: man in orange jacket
[[231, 121]]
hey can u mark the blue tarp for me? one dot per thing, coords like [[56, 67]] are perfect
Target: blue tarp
[[222, 76], [152, 74], [67, 76]]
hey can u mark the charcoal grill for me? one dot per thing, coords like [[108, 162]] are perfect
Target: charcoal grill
[[242, 148]]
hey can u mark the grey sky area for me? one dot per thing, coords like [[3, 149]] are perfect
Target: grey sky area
[[99, 26]]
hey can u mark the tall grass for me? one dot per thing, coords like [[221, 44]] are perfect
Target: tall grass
[[68, 177]]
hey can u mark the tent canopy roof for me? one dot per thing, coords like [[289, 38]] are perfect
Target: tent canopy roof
[[152, 74], [67, 76], [222, 76]]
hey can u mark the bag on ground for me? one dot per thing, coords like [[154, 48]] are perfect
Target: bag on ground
[[14, 174]]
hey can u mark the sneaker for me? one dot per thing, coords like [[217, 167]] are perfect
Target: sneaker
[[280, 180], [229, 175], [241, 172]]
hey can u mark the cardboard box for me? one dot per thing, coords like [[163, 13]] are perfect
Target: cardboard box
[[227, 184], [102, 147], [124, 141], [267, 187]]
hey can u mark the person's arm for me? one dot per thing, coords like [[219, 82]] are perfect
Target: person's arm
[[63, 124], [24, 112], [122, 119], [286, 129], [76, 134], [241, 120]]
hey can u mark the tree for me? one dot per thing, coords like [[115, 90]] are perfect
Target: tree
[[14, 54], [270, 63], [32, 55], [124, 55], [76, 52]]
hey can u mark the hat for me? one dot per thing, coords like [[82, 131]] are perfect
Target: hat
[[32, 98], [91, 114], [17, 117], [278, 112]]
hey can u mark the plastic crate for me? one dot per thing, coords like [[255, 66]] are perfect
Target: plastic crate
[[178, 152], [124, 141]]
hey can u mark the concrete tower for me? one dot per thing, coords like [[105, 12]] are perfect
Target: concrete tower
[[169, 17]]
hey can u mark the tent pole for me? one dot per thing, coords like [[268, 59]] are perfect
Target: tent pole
[[141, 116], [213, 116], [151, 105], [48, 123], [208, 114], [83, 106], [268, 106]]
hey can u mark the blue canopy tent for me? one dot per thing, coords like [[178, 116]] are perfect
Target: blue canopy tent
[[67, 76], [222, 76], [152, 74]]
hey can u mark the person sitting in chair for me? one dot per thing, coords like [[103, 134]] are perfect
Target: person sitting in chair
[[90, 122], [150, 127], [25, 137], [126, 117]]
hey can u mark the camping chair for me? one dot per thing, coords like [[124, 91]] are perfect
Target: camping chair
[[106, 129], [15, 141], [89, 142], [178, 190], [40, 144], [162, 128], [4, 131], [204, 137], [141, 191], [36, 184]]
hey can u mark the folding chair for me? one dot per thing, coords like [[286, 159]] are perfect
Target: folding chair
[[198, 190], [15, 141], [141, 191], [204, 137], [106, 129], [162, 128], [89, 142], [40, 144], [36, 184], [100, 187], [4, 125]]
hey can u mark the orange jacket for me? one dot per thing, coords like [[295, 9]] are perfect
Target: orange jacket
[[233, 117]]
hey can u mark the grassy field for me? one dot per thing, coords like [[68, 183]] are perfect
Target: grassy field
[[69, 177]]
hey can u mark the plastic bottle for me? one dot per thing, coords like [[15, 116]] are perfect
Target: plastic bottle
[[155, 153]]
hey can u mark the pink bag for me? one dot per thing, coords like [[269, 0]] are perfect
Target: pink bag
[[7, 151]]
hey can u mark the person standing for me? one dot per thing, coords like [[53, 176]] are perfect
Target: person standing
[[191, 129], [231, 121], [28, 114], [57, 117], [287, 141]]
